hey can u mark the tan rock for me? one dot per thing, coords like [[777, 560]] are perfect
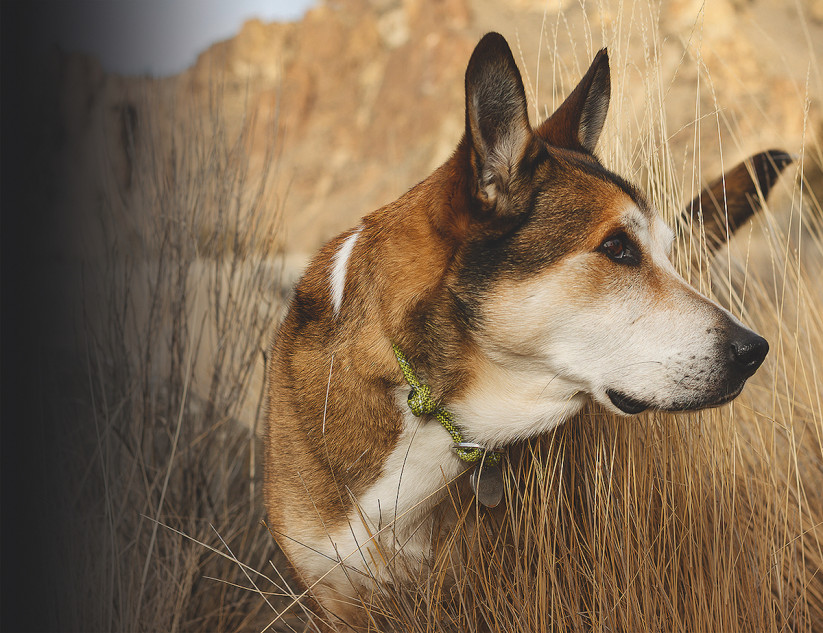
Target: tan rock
[[365, 97]]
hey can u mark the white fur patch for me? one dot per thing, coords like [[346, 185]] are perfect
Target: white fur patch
[[664, 235], [510, 400], [337, 278], [394, 513]]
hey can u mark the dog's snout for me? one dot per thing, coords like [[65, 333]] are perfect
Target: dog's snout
[[747, 351]]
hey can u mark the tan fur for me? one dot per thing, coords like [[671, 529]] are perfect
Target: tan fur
[[452, 272]]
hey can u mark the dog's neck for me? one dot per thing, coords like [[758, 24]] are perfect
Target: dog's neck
[[505, 405], [501, 407]]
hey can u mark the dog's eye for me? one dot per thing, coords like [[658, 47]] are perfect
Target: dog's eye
[[620, 249]]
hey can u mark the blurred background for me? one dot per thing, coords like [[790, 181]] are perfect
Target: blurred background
[[365, 98], [170, 167]]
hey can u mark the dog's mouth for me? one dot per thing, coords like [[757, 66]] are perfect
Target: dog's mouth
[[626, 403], [631, 406], [711, 403]]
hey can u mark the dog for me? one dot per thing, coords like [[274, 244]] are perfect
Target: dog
[[488, 304]]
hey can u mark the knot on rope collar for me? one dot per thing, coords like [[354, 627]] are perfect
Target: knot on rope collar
[[421, 403]]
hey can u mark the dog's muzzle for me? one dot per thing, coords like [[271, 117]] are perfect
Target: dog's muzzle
[[741, 354]]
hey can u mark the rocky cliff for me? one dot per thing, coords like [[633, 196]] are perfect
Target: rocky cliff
[[363, 98]]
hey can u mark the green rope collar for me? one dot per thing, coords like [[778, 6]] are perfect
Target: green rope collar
[[421, 403]]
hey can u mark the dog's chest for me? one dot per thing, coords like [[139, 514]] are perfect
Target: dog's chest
[[395, 512]]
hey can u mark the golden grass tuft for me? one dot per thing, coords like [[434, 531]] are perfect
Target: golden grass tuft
[[179, 302]]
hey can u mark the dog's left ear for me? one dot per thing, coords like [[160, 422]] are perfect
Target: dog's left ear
[[729, 201], [497, 123], [579, 120]]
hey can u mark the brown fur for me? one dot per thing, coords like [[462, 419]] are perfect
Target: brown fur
[[508, 204], [393, 241]]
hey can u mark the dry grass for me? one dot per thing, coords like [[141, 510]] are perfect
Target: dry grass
[[703, 522], [180, 303]]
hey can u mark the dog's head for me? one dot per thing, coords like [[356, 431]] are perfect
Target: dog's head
[[566, 272]]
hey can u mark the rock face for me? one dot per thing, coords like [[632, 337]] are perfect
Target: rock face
[[361, 99]]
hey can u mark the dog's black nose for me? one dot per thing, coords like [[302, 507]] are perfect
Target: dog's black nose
[[748, 351]]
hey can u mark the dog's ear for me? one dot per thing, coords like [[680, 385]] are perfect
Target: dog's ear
[[729, 201], [579, 120], [497, 123]]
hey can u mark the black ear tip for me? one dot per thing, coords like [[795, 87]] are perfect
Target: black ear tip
[[492, 36], [600, 65], [491, 47], [492, 41]]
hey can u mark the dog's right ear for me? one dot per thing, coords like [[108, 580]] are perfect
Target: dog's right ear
[[579, 120], [497, 123]]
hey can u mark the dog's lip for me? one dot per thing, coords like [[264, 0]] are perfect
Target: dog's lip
[[625, 403], [719, 402], [632, 406]]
